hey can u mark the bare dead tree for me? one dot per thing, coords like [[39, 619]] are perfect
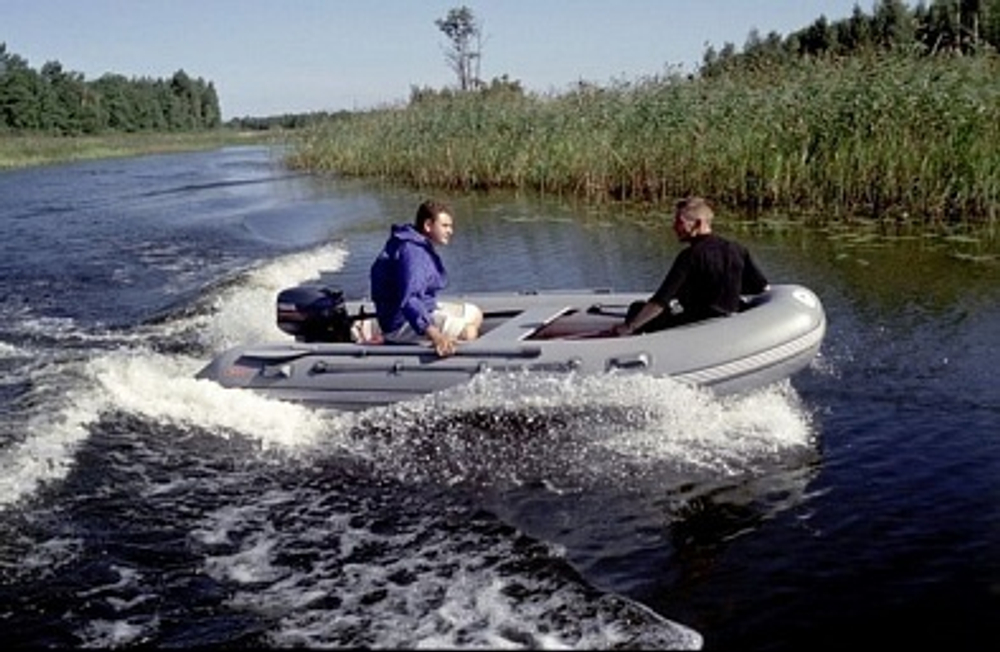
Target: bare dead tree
[[465, 50]]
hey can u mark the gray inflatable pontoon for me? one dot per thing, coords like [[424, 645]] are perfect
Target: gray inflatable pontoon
[[778, 334]]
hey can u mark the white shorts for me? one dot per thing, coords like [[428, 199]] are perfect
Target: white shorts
[[450, 318]]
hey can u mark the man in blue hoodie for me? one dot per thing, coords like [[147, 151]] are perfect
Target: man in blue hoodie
[[406, 278]]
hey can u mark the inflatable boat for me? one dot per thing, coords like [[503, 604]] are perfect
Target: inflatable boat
[[338, 360]]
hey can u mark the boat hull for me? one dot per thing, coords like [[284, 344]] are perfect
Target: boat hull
[[546, 332]]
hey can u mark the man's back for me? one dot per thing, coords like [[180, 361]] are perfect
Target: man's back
[[708, 277]]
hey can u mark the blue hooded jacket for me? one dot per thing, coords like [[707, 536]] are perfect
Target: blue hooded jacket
[[405, 279]]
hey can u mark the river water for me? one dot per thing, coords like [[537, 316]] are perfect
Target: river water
[[856, 504]]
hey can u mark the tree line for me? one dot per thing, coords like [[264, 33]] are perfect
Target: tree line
[[55, 101], [943, 27]]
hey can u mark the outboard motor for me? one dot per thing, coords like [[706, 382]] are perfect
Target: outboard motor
[[314, 314]]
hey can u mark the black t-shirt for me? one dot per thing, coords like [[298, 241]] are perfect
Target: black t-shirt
[[708, 277]]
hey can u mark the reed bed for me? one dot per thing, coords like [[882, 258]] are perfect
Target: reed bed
[[882, 136]]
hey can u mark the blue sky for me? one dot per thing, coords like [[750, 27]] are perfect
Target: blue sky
[[268, 57]]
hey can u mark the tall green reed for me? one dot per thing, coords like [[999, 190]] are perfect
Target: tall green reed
[[883, 135]]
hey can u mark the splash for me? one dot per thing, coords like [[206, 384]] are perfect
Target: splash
[[74, 376], [163, 388], [728, 435], [45, 447], [569, 431], [242, 311]]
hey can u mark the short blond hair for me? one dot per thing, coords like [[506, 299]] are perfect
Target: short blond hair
[[695, 208]]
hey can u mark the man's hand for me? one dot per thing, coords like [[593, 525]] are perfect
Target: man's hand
[[443, 345], [619, 330]]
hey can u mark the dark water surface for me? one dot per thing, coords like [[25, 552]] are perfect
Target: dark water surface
[[857, 504]]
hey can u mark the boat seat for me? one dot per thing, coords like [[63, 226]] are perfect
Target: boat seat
[[522, 325]]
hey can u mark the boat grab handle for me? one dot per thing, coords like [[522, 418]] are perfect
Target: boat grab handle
[[638, 361]]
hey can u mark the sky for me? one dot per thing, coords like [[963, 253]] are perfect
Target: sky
[[270, 57]]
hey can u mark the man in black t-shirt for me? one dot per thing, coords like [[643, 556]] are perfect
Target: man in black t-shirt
[[706, 280]]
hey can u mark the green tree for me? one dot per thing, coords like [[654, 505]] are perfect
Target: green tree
[[69, 90], [211, 113], [116, 98], [19, 102], [818, 38], [854, 34], [149, 113], [893, 25], [181, 115], [61, 102], [55, 111], [942, 30], [989, 23]]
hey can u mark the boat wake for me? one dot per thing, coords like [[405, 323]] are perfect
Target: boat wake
[[60, 378]]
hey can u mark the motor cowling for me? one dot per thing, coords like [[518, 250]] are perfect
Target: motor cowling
[[314, 314]]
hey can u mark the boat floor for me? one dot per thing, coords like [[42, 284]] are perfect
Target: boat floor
[[571, 324]]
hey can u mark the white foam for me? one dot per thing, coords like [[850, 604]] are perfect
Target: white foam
[[161, 387], [164, 388], [46, 450], [411, 586], [126, 629], [649, 420], [244, 312], [727, 435], [115, 633]]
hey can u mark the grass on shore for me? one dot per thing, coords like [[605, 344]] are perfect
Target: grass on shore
[[19, 151], [882, 136]]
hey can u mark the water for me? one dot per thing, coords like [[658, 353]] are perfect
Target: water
[[854, 505]]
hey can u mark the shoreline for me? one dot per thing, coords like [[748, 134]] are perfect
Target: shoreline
[[18, 152]]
